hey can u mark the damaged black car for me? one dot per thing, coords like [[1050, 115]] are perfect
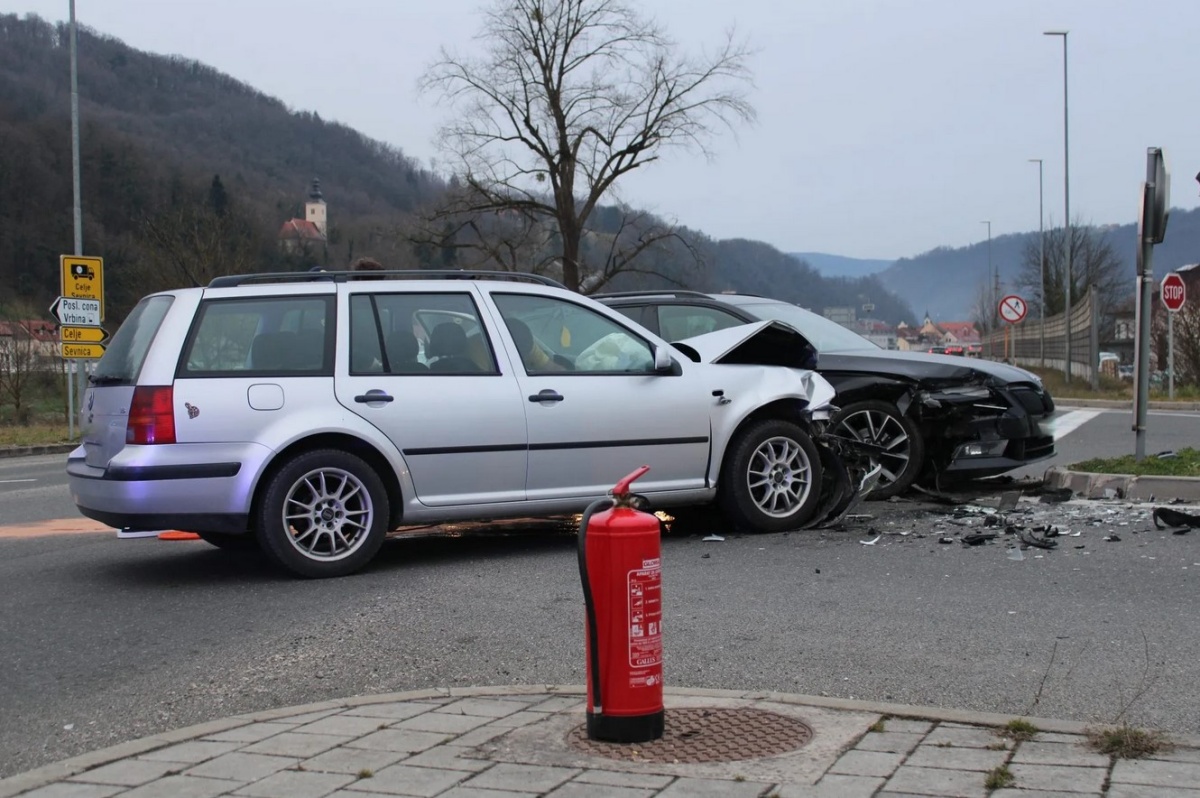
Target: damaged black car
[[931, 418]]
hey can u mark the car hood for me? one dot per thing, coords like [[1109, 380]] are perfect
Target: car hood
[[924, 366], [759, 343], [770, 344]]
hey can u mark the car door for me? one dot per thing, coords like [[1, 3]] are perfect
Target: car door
[[595, 408], [420, 366]]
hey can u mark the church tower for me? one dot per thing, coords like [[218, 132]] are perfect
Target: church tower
[[314, 209]]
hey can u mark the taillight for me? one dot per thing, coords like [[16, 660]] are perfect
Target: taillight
[[151, 415]]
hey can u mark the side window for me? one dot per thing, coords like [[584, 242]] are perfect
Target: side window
[[411, 334], [277, 336], [644, 315], [677, 322], [554, 335]]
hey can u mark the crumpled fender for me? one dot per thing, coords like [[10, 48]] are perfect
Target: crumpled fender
[[849, 475]]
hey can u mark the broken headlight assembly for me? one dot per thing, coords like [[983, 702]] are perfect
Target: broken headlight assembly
[[959, 395]]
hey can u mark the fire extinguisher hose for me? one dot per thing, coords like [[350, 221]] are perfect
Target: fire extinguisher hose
[[588, 603]]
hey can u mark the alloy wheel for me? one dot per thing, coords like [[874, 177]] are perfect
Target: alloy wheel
[[327, 513], [886, 432], [779, 476]]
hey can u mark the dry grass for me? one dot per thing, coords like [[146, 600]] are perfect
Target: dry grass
[[33, 434], [1127, 742]]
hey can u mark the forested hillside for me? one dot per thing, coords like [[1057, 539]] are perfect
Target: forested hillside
[[188, 173], [946, 281]]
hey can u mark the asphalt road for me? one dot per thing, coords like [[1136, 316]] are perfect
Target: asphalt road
[[107, 640]]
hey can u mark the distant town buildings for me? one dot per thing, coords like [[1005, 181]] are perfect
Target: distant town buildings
[[954, 337], [33, 341]]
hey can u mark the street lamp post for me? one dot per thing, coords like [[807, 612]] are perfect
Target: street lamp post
[[991, 297], [1066, 202], [1041, 261]]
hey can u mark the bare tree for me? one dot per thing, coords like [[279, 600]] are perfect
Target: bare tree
[[570, 96], [19, 360], [1186, 334], [1094, 262]]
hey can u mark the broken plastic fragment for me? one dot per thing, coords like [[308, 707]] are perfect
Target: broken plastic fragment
[[979, 538], [1113, 538], [871, 542], [1165, 518], [1055, 495], [1015, 554], [713, 537], [1029, 539]]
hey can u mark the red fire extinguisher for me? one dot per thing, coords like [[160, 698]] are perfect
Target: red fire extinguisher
[[620, 564]]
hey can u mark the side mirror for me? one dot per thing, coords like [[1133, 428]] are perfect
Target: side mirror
[[662, 360]]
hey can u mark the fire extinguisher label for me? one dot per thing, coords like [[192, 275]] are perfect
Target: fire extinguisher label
[[645, 617]]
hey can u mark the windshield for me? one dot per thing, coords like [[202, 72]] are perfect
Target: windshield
[[825, 335]]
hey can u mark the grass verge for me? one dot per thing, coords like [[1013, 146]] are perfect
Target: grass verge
[[1180, 463], [33, 434]]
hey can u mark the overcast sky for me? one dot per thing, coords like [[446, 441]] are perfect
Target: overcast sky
[[886, 127]]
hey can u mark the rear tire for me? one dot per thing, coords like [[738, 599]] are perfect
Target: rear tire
[[882, 424], [771, 477], [323, 514]]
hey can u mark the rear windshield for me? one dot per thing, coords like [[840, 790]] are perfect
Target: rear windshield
[[126, 351]]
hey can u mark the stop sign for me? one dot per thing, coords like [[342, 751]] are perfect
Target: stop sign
[[1173, 292]]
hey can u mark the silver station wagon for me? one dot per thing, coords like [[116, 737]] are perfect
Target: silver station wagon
[[311, 414]]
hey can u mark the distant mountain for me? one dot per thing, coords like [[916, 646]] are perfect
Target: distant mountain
[[185, 166], [944, 282], [840, 266]]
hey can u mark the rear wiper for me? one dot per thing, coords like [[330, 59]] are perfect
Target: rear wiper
[[106, 379]]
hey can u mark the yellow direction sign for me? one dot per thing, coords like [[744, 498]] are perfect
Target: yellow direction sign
[[83, 278], [82, 335], [82, 351]]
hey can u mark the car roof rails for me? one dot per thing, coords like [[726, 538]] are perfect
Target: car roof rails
[[232, 280], [662, 292]]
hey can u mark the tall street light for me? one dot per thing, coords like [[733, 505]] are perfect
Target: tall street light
[[1066, 200], [990, 297], [1041, 260]]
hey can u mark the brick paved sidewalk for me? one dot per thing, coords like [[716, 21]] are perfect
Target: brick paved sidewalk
[[523, 742]]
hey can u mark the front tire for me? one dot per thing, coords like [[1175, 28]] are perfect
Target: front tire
[[882, 424], [771, 477], [323, 514]]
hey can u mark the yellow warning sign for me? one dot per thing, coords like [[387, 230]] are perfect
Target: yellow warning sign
[[83, 278]]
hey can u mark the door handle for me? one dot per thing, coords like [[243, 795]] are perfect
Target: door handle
[[546, 395], [374, 395]]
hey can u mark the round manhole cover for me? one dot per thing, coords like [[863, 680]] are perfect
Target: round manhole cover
[[693, 735]]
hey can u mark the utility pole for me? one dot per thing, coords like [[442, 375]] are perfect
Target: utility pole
[[1066, 201], [74, 365]]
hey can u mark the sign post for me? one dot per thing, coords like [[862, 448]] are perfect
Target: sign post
[[1152, 228], [79, 310], [1174, 295]]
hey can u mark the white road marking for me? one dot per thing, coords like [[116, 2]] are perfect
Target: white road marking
[[1060, 426], [7, 481]]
